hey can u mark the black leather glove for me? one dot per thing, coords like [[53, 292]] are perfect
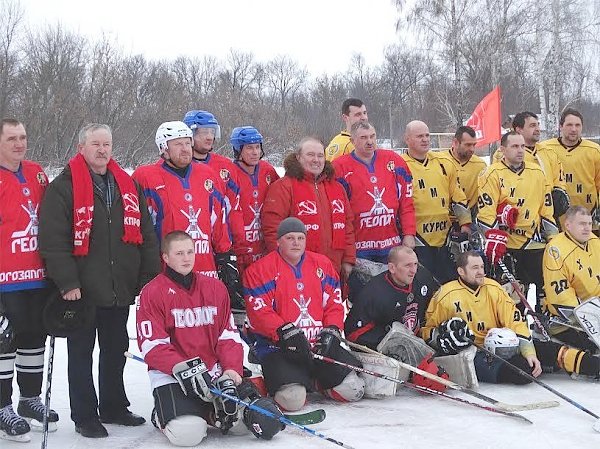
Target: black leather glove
[[293, 343], [453, 336], [229, 274], [329, 340]]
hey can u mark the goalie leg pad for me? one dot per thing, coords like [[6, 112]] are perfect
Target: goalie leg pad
[[400, 344], [187, 430], [461, 367], [291, 397], [588, 316], [376, 387], [351, 389]]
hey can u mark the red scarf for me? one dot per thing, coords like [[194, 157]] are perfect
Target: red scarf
[[306, 209], [83, 204]]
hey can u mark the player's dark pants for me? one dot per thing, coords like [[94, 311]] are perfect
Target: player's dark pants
[[111, 326], [24, 310], [279, 370], [492, 370], [528, 266], [170, 402], [438, 262]]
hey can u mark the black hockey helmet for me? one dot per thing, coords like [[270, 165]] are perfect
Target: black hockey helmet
[[62, 318]]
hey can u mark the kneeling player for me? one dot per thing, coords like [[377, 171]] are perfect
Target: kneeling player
[[188, 338], [464, 310], [293, 300]]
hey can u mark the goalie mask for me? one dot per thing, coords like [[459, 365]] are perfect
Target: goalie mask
[[502, 341]]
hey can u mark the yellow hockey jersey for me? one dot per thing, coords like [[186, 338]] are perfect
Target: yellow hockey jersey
[[529, 192], [548, 162], [484, 308], [581, 165], [467, 174], [339, 146], [435, 192], [571, 273]]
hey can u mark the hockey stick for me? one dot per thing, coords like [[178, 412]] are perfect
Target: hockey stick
[[421, 389], [528, 376], [523, 299], [500, 405], [262, 411], [48, 391]]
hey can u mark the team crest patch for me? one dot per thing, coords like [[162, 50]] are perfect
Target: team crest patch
[[333, 149], [410, 298], [224, 174], [26, 191], [554, 252], [423, 290], [41, 178], [319, 273], [208, 185], [188, 197], [300, 286], [391, 166], [373, 179]]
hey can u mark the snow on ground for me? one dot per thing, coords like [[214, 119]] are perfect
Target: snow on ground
[[407, 421]]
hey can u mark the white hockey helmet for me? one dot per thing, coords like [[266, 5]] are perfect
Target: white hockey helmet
[[502, 341], [169, 131]]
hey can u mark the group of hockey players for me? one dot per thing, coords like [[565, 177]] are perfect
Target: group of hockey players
[[408, 255]]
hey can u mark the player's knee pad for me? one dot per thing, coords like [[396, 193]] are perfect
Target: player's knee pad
[[186, 430], [291, 397], [351, 389]]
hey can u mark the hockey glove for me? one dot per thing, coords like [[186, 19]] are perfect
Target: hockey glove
[[428, 364], [229, 274], [262, 426], [561, 201], [495, 245], [226, 408], [293, 343], [507, 215], [329, 340], [194, 379], [458, 243], [453, 336]]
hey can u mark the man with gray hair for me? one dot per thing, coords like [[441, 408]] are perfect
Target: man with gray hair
[[98, 242]]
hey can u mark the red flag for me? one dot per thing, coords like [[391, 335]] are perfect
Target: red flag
[[485, 119]]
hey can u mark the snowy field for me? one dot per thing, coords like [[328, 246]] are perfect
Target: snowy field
[[407, 421]]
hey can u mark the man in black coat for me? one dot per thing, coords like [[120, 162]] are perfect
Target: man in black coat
[[98, 242]]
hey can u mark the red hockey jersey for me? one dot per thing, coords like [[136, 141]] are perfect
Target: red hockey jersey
[[380, 194], [175, 324], [193, 204], [21, 266], [307, 295], [248, 241]]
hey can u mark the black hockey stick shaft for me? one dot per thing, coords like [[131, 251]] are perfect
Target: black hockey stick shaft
[[539, 382], [420, 388], [523, 299], [454, 385], [48, 391], [260, 410]]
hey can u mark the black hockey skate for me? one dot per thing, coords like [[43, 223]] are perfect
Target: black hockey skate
[[32, 410], [12, 426]]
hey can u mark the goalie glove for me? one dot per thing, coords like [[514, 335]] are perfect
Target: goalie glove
[[507, 215], [561, 201], [495, 245], [194, 379], [453, 336], [229, 274]]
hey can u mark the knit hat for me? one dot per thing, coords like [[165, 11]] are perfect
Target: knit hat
[[290, 224]]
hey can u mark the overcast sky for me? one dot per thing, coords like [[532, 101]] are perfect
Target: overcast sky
[[321, 35]]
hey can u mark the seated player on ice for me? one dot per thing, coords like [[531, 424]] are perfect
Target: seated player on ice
[[293, 303], [188, 339], [463, 311]]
